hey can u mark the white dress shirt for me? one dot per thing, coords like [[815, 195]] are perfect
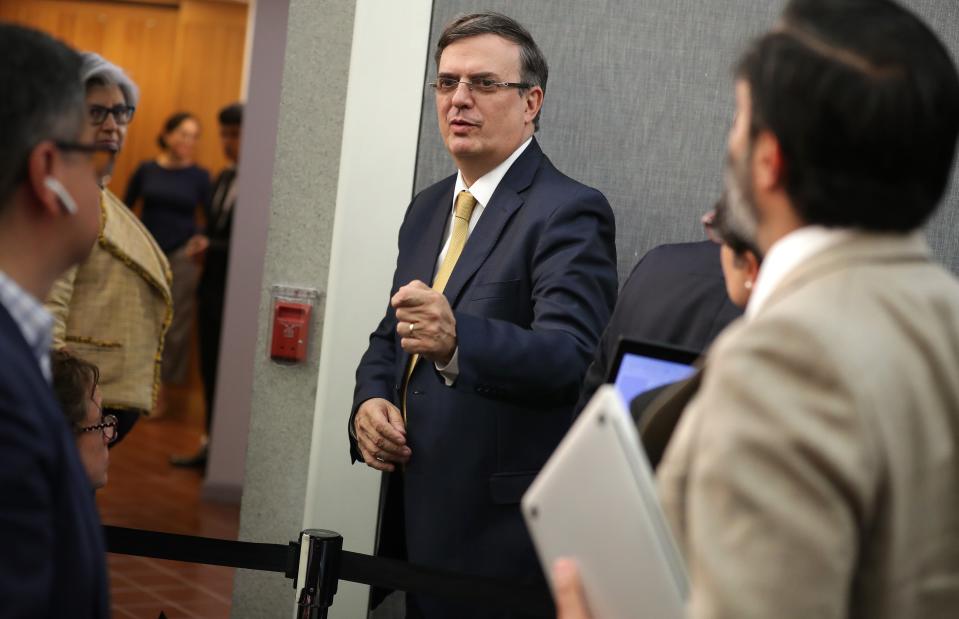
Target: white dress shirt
[[787, 254], [482, 190], [34, 321]]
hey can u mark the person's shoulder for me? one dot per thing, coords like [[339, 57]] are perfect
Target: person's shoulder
[[18, 388], [198, 171], [146, 165], [435, 191], [551, 176], [699, 258], [693, 256]]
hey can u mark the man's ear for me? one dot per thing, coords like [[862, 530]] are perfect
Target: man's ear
[[42, 163], [769, 166], [750, 265], [534, 102]]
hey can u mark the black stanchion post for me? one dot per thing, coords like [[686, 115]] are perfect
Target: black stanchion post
[[319, 572]]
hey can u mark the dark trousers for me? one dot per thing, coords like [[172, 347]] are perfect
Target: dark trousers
[[210, 317]]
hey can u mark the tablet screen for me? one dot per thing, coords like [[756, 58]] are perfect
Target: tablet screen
[[638, 374]]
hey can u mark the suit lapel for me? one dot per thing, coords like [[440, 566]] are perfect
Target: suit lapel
[[146, 258], [425, 252], [504, 203], [219, 212]]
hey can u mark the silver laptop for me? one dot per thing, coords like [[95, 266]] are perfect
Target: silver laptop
[[595, 501]]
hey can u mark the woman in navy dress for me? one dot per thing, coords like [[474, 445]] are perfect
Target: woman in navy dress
[[170, 189]]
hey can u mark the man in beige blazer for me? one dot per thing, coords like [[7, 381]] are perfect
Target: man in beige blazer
[[815, 472]]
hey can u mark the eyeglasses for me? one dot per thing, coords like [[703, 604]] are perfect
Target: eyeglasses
[[108, 427], [122, 114], [102, 155], [709, 226], [485, 85]]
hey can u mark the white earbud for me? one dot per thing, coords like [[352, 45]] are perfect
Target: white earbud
[[66, 200]]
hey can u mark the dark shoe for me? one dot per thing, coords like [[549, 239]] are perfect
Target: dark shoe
[[196, 461]]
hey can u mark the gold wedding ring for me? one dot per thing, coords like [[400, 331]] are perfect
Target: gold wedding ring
[[412, 326]]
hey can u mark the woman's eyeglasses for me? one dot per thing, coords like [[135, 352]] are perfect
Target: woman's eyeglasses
[[122, 114], [108, 427]]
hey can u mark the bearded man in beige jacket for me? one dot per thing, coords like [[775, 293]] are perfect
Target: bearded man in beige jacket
[[815, 472]]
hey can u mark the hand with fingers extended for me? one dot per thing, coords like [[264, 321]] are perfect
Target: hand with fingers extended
[[425, 322], [568, 591], [381, 434]]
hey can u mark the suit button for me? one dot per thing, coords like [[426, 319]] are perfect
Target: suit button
[[417, 392]]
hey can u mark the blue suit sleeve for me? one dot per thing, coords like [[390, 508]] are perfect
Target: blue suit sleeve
[[574, 285], [375, 374], [26, 508]]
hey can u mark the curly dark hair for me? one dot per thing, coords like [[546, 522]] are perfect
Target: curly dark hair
[[74, 382]]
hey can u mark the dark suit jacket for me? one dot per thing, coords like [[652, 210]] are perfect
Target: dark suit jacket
[[212, 286], [531, 292], [675, 295], [51, 543]]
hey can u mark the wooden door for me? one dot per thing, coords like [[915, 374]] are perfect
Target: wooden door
[[185, 56], [209, 64]]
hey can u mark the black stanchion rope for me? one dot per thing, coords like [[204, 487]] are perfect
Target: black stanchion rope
[[354, 567]]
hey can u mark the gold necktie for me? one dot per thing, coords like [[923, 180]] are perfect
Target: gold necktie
[[465, 203]]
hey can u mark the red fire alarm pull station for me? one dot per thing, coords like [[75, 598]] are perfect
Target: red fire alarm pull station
[[292, 310], [291, 329]]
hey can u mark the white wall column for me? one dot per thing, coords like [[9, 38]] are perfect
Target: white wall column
[[377, 164]]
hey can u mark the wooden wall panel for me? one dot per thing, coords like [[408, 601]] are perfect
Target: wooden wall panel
[[183, 58], [209, 63]]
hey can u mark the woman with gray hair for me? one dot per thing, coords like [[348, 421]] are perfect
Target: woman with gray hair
[[113, 310]]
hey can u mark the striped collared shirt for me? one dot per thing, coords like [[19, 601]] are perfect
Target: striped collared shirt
[[35, 322]]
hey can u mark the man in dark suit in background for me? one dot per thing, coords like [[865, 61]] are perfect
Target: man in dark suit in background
[[50, 536], [468, 384], [675, 295], [211, 292]]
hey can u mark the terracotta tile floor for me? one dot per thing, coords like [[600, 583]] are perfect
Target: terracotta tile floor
[[145, 492]]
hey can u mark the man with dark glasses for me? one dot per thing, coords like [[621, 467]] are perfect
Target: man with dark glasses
[[53, 555]]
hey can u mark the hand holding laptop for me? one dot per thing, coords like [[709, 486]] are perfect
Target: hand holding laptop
[[568, 591], [595, 500]]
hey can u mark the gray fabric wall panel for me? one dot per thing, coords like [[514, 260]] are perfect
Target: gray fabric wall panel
[[943, 228], [639, 101]]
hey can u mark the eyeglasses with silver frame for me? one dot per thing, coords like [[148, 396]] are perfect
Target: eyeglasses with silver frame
[[485, 85]]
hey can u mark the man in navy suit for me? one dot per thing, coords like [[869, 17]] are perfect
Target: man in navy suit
[[505, 278], [51, 542]]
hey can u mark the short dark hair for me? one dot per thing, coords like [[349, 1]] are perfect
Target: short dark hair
[[43, 98], [74, 382], [863, 99], [533, 68], [231, 115], [172, 122]]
